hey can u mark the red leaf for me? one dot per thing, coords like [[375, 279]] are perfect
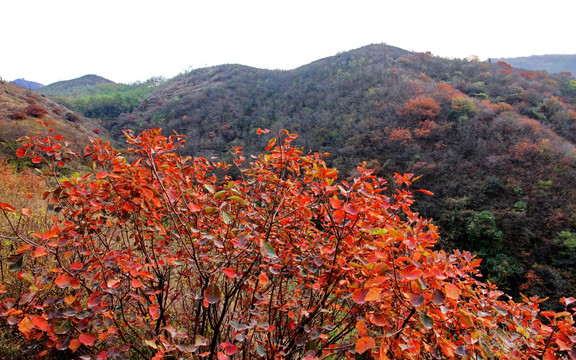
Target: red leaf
[[359, 296], [77, 266], [194, 208], [101, 175], [212, 294], [40, 322], [21, 152], [172, 195], [37, 159], [136, 283], [426, 192], [94, 299], [39, 252], [351, 209], [262, 131], [154, 311], [87, 339], [231, 273], [229, 349], [63, 280], [378, 319], [364, 344], [411, 274], [416, 300], [438, 298], [7, 207]]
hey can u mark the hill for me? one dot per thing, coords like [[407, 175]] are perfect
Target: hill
[[494, 143], [20, 109], [550, 63], [27, 84], [96, 97], [84, 84]]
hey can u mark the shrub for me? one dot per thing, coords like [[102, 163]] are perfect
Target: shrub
[[35, 111], [18, 115], [161, 255], [70, 116]]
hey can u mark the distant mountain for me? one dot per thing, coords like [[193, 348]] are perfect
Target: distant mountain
[[550, 63], [27, 84], [84, 84], [494, 143]]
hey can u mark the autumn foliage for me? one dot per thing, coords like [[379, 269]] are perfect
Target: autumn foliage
[[156, 255]]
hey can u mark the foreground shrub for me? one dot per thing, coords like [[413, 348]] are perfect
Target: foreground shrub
[[162, 255]]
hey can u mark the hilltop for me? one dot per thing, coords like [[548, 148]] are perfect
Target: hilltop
[[84, 84], [27, 84], [494, 143]]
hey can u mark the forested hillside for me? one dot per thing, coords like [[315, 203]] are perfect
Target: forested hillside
[[495, 144]]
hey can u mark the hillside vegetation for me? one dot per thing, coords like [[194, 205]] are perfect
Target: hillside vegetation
[[20, 110], [96, 97], [494, 143]]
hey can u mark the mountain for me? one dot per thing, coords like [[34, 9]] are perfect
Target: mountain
[[27, 84], [550, 63], [494, 143], [20, 109], [84, 84]]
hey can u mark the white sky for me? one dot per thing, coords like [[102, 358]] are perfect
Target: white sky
[[129, 40]]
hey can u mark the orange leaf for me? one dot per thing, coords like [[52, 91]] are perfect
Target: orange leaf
[[271, 144], [411, 274], [364, 344], [361, 327], [263, 279], [26, 212], [24, 248], [74, 345], [373, 294], [452, 291], [25, 326]]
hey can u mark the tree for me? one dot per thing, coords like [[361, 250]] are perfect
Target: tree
[[420, 109], [157, 255]]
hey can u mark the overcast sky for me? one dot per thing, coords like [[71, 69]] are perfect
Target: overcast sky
[[129, 40]]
